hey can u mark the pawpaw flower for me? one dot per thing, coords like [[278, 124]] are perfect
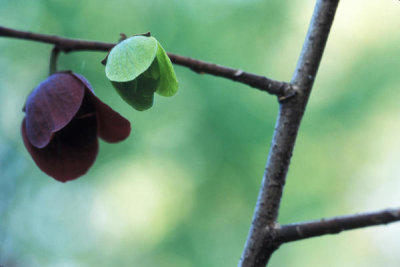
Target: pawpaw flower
[[63, 120]]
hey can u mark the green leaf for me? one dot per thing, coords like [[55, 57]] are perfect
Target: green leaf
[[130, 58], [168, 85]]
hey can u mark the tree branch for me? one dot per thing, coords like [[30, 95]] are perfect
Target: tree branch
[[261, 241], [298, 231], [281, 89]]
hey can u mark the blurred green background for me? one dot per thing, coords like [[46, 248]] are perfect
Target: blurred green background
[[182, 189]]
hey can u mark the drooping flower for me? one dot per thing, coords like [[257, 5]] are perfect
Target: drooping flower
[[138, 67], [62, 124]]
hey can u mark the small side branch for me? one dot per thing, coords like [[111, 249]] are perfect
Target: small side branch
[[66, 45], [253, 80], [303, 230]]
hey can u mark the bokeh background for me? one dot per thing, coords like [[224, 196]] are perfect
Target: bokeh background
[[182, 189]]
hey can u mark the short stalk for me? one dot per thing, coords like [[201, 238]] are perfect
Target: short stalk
[[53, 60]]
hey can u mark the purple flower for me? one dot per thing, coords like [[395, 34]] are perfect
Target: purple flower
[[62, 122]]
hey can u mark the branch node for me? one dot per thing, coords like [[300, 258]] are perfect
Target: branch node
[[122, 37], [289, 91], [238, 73], [147, 34]]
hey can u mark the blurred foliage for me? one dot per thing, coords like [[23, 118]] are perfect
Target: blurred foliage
[[181, 190]]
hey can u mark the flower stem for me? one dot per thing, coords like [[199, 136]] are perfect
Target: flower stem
[[53, 60]]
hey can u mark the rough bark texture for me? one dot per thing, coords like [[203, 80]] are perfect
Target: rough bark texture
[[265, 235], [260, 242], [304, 230]]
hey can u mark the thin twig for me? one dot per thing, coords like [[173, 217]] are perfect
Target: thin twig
[[278, 88], [303, 230], [261, 241]]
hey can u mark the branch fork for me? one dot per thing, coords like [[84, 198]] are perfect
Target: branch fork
[[265, 235]]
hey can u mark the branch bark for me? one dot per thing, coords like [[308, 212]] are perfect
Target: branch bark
[[262, 240], [265, 235], [298, 231], [281, 89]]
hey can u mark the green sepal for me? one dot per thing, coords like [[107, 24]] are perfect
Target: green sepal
[[138, 93], [130, 58], [168, 85]]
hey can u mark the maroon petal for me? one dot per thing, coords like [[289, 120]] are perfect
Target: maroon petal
[[83, 80], [70, 153], [51, 106], [111, 126]]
